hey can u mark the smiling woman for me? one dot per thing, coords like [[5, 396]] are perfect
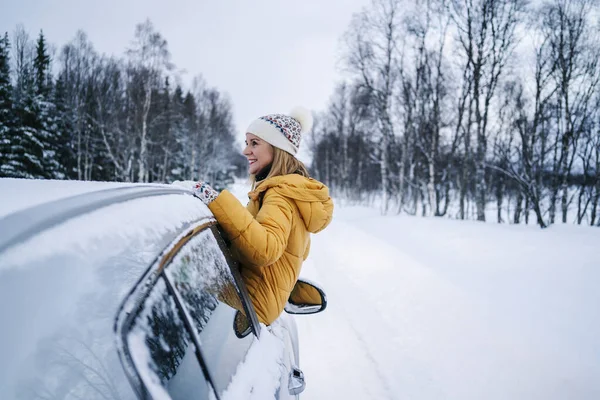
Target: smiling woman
[[258, 152], [271, 236]]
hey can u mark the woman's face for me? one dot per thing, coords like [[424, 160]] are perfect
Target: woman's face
[[258, 152]]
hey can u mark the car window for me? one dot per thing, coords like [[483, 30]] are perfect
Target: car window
[[162, 350], [203, 278]]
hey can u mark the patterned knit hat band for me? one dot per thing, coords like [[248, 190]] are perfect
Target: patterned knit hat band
[[283, 131], [290, 128]]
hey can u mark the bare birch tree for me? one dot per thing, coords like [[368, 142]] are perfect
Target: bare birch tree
[[573, 51], [486, 32], [150, 58], [372, 43]]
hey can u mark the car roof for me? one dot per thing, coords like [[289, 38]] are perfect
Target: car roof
[[20, 194], [33, 206]]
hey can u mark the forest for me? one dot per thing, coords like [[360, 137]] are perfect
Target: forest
[[470, 109], [467, 109], [75, 114]]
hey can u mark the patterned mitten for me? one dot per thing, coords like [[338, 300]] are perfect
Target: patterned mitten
[[204, 192]]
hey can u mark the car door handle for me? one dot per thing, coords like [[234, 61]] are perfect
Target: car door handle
[[296, 383]]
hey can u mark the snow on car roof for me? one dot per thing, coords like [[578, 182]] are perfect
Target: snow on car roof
[[19, 194]]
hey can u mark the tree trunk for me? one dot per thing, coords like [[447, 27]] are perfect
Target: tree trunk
[[538, 213], [527, 208], [464, 181], [518, 208], [499, 202], [142, 173], [431, 187]]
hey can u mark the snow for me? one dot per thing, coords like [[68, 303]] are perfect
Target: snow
[[65, 293], [423, 308], [257, 378], [431, 308], [95, 231], [18, 194], [141, 355]]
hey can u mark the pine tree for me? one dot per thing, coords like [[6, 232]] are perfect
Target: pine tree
[[26, 147], [167, 137], [29, 144], [41, 65], [48, 133], [6, 108], [191, 131], [181, 156], [65, 155]]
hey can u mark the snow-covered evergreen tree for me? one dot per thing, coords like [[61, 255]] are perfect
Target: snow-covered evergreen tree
[[48, 132], [33, 144], [109, 118], [26, 147], [64, 128], [6, 107]]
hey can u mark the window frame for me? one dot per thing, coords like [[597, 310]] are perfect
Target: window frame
[[237, 277], [134, 301]]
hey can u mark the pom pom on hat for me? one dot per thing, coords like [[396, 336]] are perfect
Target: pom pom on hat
[[304, 117], [283, 131]]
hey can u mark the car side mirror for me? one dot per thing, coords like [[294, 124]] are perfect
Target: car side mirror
[[241, 325], [306, 298]]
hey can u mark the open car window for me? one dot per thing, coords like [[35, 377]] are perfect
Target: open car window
[[203, 280]]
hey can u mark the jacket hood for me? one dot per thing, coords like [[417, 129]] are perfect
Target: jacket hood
[[310, 195]]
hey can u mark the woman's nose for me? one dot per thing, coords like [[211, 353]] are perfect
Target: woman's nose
[[246, 151]]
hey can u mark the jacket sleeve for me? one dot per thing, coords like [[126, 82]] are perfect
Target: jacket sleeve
[[259, 241]]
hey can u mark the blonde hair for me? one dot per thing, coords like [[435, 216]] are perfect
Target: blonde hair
[[283, 164]]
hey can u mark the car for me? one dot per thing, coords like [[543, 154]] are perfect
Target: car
[[128, 291]]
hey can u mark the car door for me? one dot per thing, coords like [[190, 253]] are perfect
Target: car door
[[212, 297], [176, 328], [266, 370]]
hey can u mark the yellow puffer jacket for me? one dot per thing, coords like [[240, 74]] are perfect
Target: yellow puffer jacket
[[271, 236]]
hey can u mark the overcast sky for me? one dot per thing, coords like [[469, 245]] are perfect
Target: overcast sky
[[268, 55]]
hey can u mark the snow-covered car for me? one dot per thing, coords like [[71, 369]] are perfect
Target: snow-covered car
[[126, 291]]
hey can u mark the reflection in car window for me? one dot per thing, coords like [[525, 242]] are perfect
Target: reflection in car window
[[200, 273], [162, 350]]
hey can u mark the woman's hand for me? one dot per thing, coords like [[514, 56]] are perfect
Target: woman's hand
[[204, 192]]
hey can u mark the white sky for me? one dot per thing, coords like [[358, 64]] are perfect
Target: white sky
[[268, 55]]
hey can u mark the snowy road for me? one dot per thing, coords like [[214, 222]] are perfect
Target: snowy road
[[438, 309]]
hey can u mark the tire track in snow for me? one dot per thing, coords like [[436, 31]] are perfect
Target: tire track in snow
[[332, 353], [400, 311], [346, 262]]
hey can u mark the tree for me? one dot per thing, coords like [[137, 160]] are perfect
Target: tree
[[573, 51], [149, 59], [65, 127], [7, 122], [372, 41], [27, 148], [47, 115], [423, 97], [79, 63], [41, 65], [486, 31]]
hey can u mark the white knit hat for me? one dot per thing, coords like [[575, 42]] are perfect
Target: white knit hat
[[283, 131]]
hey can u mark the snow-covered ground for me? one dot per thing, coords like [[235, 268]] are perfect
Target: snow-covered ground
[[424, 308], [429, 308]]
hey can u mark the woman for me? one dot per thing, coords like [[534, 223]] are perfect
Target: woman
[[271, 236]]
